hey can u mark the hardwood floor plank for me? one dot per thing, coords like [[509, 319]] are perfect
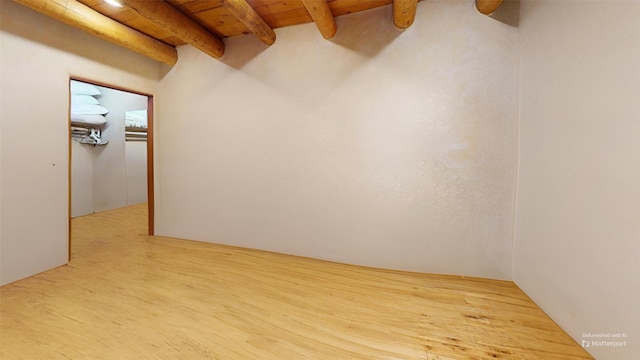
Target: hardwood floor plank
[[127, 295]]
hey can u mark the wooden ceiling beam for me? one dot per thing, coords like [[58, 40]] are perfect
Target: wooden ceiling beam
[[86, 19], [404, 13], [322, 16], [487, 7], [169, 19], [250, 18]]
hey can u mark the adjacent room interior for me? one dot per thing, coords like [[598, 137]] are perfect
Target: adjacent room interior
[[497, 156], [108, 148]]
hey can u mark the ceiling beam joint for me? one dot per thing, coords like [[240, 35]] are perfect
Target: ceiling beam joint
[[404, 13], [250, 18], [82, 17], [171, 20], [322, 16], [487, 7]]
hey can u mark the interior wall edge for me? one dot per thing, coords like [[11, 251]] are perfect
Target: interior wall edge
[[35, 95]]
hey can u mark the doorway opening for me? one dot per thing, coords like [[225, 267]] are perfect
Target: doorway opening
[[110, 149]]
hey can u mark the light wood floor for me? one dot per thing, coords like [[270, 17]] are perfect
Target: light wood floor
[[129, 296]]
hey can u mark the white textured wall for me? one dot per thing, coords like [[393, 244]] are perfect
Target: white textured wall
[[136, 163], [381, 147], [37, 59], [577, 246], [81, 179]]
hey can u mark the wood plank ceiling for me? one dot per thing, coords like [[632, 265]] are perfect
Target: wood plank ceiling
[[154, 27]]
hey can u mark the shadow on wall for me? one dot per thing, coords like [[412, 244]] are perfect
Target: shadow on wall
[[17, 19], [508, 13], [367, 32], [242, 50]]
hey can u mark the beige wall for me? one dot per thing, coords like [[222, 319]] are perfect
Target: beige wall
[[136, 163], [82, 189], [578, 211], [38, 56], [381, 147]]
